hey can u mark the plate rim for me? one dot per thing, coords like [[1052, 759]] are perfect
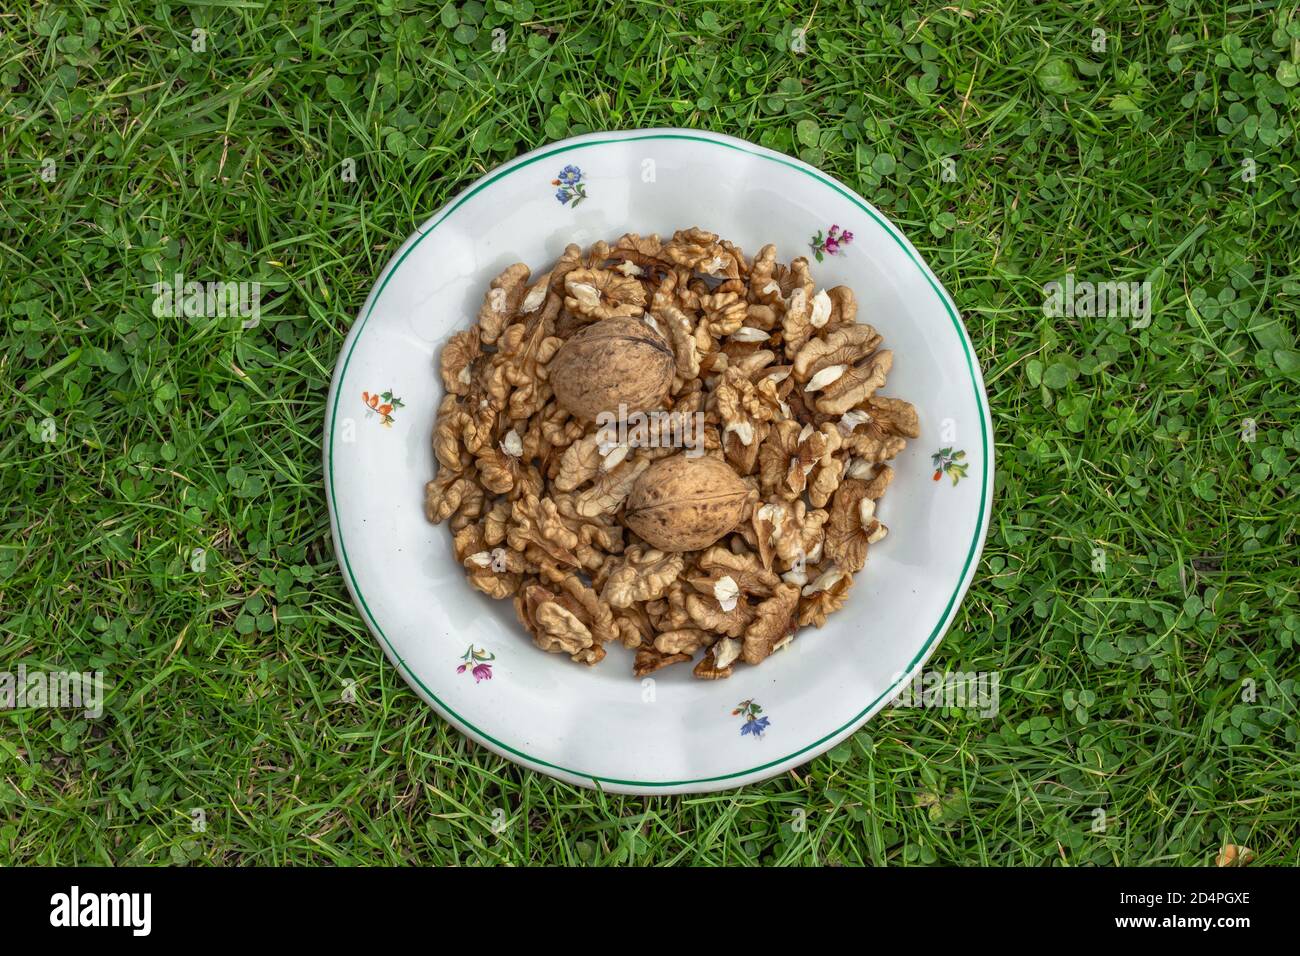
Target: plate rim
[[769, 768]]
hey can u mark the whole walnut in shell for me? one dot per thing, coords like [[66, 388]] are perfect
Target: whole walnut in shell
[[618, 361], [685, 504]]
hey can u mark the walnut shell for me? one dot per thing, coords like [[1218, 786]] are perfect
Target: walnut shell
[[684, 504], [618, 361]]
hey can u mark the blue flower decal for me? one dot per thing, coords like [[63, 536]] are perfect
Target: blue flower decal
[[571, 190], [754, 724]]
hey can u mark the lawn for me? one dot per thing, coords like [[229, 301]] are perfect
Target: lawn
[[163, 513]]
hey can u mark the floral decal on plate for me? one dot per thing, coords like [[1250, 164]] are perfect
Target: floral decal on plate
[[832, 244], [754, 725], [571, 190], [382, 404], [947, 461], [476, 661]]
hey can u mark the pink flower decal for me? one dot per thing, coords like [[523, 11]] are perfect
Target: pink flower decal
[[832, 244], [476, 660]]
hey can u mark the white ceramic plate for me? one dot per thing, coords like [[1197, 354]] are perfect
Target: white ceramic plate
[[601, 726]]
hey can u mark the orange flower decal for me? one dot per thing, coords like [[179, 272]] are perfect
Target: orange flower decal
[[382, 404]]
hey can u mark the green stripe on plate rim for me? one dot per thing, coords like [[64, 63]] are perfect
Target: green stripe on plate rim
[[970, 555]]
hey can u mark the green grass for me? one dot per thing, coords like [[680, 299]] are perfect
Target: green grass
[[1122, 689]]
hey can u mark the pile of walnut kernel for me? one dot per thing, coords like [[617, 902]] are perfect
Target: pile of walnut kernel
[[538, 499]]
